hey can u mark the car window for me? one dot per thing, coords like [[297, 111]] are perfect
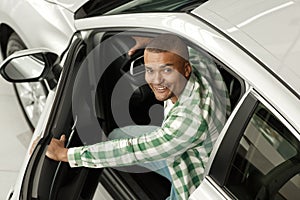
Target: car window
[[267, 162], [112, 7]]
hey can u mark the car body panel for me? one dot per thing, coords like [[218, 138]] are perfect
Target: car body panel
[[208, 191], [251, 24]]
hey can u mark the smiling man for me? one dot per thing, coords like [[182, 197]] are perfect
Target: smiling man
[[191, 124], [166, 73]]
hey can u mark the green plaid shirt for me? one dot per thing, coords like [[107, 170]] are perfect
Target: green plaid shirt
[[185, 138]]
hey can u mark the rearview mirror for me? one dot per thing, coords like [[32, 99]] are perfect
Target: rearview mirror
[[28, 65]]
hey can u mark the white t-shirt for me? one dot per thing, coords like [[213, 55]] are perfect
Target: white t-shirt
[[168, 105]]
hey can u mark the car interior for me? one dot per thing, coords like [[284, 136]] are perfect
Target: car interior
[[100, 95]]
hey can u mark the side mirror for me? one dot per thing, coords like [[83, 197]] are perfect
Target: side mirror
[[28, 65]]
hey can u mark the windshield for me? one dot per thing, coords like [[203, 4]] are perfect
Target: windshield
[[112, 7]]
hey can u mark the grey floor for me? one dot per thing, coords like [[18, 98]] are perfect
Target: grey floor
[[15, 136]]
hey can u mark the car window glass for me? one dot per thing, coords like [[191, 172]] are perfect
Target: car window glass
[[267, 162]]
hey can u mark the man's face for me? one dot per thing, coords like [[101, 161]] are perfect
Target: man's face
[[166, 74]]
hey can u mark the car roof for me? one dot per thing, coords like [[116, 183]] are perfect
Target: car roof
[[269, 30]]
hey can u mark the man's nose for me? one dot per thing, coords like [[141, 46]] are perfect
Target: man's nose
[[157, 78]]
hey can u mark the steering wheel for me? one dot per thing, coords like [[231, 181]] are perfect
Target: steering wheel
[[277, 177]]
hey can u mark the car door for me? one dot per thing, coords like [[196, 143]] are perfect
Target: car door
[[43, 177], [258, 157]]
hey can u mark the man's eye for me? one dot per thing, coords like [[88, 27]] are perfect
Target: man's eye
[[167, 70], [149, 71]]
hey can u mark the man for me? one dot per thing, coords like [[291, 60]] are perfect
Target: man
[[190, 127]]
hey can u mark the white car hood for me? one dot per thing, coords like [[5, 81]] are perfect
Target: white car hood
[[269, 30], [69, 4]]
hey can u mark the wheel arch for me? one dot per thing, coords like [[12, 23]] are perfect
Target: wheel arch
[[5, 31]]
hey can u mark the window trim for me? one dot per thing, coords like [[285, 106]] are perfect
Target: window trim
[[230, 141]]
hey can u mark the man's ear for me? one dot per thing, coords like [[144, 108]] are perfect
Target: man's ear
[[187, 69]]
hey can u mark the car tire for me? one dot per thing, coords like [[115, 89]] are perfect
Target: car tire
[[31, 96]]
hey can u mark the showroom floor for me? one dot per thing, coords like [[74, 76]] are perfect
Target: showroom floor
[[15, 136]]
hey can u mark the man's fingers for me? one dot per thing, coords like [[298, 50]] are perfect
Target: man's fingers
[[132, 50], [140, 42], [63, 138]]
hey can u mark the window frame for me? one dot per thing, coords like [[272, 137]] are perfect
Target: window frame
[[230, 141]]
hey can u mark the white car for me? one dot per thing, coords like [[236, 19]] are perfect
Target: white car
[[253, 44]]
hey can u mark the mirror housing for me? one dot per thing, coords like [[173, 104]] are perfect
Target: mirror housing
[[28, 65]]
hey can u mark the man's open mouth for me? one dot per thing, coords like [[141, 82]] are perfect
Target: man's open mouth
[[160, 88]]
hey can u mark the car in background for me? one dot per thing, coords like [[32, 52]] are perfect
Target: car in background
[[100, 88], [31, 24], [50, 24]]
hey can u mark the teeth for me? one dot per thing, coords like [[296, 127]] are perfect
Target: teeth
[[161, 88]]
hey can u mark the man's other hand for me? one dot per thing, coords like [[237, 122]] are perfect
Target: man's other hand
[[56, 149]]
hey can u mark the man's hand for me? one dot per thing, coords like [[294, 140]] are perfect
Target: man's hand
[[56, 149], [140, 42]]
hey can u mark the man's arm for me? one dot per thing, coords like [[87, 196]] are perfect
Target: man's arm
[[163, 143]]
